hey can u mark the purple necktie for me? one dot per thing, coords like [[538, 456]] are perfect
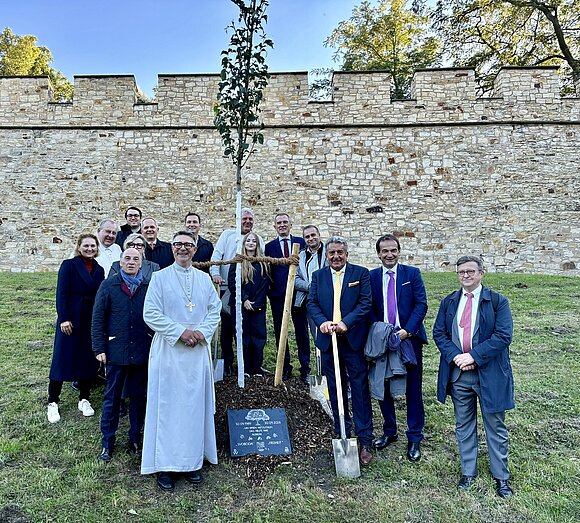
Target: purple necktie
[[391, 300], [286, 252], [465, 322]]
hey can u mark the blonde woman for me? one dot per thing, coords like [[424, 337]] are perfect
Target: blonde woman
[[255, 278]]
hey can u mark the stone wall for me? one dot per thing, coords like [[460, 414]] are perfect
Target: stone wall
[[449, 172]]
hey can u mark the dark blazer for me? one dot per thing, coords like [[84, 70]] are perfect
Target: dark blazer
[[279, 273], [124, 231], [118, 327], [162, 254], [411, 299], [254, 291], [147, 269], [76, 288], [492, 336], [204, 252], [355, 304]]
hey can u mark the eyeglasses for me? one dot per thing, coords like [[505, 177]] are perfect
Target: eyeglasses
[[469, 272], [133, 216], [136, 245], [179, 245]]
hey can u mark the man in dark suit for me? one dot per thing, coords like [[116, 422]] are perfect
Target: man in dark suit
[[204, 247], [473, 332], [347, 316], [156, 250], [281, 247], [133, 216], [399, 298]]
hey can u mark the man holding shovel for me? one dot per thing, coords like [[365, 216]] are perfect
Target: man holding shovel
[[339, 303]]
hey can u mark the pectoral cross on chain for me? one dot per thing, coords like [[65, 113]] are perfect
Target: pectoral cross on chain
[[190, 306]]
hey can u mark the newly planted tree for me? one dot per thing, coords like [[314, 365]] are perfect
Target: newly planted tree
[[244, 76]]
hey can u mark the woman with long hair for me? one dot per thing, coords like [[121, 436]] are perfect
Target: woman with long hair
[[79, 279], [255, 279]]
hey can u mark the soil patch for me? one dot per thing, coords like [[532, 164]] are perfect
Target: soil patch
[[309, 427]]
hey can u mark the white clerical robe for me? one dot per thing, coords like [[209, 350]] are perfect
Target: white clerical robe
[[179, 421]]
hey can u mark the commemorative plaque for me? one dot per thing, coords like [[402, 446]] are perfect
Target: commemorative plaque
[[258, 431]]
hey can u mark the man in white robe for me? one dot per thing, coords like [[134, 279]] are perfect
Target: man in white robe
[[183, 308]]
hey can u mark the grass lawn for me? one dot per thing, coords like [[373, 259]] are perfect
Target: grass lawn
[[50, 473]]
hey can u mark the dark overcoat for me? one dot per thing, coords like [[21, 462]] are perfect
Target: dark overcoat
[[491, 341], [76, 288]]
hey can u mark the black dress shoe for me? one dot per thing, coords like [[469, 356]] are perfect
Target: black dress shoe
[[384, 441], [193, 477], [105, 455], [413, 451], [503, 488], [165, 481], [465, 482]]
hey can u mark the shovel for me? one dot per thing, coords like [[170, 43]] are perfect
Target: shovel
[[319, 387], [218, 365], [345, 449]]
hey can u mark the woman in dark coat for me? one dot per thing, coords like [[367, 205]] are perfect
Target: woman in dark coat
[[255, 284], [73, 359]]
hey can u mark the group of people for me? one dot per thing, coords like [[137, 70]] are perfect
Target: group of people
[[141, 309]]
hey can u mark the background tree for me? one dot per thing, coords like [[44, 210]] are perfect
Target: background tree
[[20, 56], [487, 34], [244, 76], [389, 36]]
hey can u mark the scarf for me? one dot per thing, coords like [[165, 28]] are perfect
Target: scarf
[[132, 282]]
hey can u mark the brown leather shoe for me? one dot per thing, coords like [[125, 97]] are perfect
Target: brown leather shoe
[[366, 456]]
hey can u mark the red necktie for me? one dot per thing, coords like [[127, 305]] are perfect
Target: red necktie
[[465, 322], [286, 251]]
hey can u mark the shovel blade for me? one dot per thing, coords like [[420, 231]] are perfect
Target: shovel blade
[[319, 392], [346, 457], [218, 371]]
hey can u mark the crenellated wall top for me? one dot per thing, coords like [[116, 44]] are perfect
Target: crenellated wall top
[[445, 96]]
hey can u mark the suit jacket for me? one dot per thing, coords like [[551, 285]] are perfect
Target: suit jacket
[[279, 273], [411, 299], [492, 336], [162, 254], [124, 231], [203, 252], [355, 304]]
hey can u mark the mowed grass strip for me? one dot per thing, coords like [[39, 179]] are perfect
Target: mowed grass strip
[[50, 473]]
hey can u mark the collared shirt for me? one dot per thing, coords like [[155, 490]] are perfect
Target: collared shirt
[[281, 240], [385, 293], [108, 255], [474, 306]]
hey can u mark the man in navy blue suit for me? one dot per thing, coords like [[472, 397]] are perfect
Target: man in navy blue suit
[[281, 247], [156, 250], [473, 332], [348, 317], [399, 298], [204, 247]]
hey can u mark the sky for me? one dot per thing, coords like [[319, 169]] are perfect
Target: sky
[[150, 37]]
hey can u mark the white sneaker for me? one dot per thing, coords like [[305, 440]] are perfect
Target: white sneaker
[[52, 413], [85, 408]]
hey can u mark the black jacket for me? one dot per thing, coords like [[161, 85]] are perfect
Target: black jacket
[[118, 328], [162, 254]]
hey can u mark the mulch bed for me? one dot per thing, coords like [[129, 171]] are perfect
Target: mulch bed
[[309, 427]]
